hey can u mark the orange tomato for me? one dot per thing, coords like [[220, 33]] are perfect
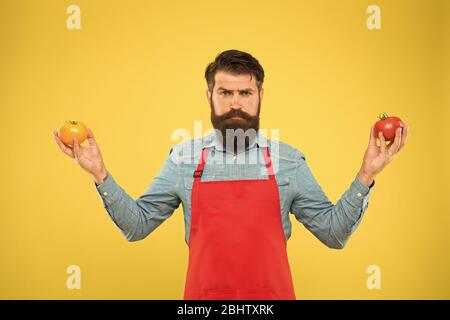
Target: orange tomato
[[70, 129]]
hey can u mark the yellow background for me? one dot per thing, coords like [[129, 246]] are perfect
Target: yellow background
[[134, 74]]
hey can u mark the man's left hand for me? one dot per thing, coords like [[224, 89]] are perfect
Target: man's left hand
[[377, 157]]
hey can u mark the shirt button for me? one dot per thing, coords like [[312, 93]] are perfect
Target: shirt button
[[105, 193], [359, 194], [234, 157]]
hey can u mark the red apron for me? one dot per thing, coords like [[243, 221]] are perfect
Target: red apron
[[237, 246]]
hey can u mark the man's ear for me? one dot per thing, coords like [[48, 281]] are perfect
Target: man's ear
[[208, 95], [261, 94]]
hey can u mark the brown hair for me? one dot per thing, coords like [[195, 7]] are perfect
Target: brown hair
[[236, 62]]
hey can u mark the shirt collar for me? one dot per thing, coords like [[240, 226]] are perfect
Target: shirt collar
[[212, 140]]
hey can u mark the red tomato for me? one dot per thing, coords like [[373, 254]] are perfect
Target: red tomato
[[70, 129], [388, 125]]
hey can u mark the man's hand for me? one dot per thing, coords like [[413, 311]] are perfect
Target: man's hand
[[89, 157], [377, 157]]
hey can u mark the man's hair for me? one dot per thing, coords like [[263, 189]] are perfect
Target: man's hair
[[237, 63]]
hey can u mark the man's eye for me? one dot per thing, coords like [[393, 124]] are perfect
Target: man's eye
[[225, 92], [245, 93]]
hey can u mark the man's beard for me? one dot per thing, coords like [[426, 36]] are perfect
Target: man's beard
[[236, 133]]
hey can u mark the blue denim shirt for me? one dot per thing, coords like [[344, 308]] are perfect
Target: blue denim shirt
[[300, 194]]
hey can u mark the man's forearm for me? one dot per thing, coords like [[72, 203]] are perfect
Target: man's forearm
[[366, 179], [100, 177]]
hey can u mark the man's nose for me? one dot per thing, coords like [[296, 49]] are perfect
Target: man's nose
[[235, 103]]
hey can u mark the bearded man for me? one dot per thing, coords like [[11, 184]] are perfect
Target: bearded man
[[236, 210]]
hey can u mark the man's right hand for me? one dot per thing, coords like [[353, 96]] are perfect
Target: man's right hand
[[89, 158]]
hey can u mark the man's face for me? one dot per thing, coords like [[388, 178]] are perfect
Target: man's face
[[236, 92], [235, 102]]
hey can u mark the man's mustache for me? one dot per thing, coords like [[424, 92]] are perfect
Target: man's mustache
[[235, 113]]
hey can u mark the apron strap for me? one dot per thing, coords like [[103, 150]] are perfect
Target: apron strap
[[198, 173], [268, 161]]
